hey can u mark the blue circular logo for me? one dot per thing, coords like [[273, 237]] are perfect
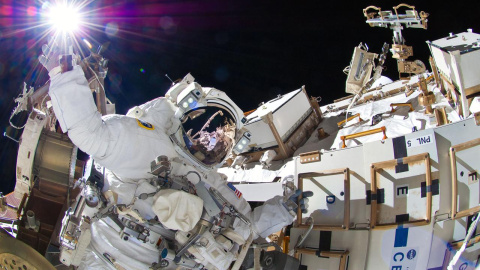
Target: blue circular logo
[[411, 254]]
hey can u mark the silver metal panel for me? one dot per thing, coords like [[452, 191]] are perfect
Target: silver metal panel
[[323, 187], [468, 166], [467, 162], [262, 135], [464, 39], [272, 105], [53, 158], [383, 254], [394, 184], [443, 62], [467, 63], [208, 202], [287, 115], [441, 254], [359, 183], [470, 68], [355, 241]]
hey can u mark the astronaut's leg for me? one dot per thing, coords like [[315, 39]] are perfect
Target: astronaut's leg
[[109, 251], [93, 261]]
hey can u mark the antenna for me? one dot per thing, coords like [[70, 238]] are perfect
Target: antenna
[[166, 75]]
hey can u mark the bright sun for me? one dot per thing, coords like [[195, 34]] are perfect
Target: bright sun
[[64, 18]]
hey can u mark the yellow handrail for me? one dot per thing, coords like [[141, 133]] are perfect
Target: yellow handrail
[[371, 15], [400, 105], [326, 253], [403, 5], [364, 133], [339, 124]]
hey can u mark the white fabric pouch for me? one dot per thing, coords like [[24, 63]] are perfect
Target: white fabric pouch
[[177, 210]]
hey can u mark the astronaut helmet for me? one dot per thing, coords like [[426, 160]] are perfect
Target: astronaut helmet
[[208, 134], [211, 124]]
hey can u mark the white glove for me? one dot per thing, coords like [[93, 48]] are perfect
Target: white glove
[[58, 55]]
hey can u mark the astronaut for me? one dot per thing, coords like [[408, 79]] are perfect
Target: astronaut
[[161, 131]]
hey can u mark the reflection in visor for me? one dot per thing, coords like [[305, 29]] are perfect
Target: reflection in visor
[[192, 115], [211, 143]]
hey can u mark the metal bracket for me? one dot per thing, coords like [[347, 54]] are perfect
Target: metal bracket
[[346, 183], [375, 167], [453, 164], [327, 254], [364, 133], [309, 157]]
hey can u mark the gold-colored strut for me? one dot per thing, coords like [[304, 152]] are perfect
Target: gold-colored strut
[[371, 15], [441, 116], [376, 167], [364, 133], [284, 151], [327, 253], [425, 98], [394, 105], [400, 51], [343, 122], [438, 81], [346, 210], [404, 5], [424, 15], [458, 244], [453, 165]]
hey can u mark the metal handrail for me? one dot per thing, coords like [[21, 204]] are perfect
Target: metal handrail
[[364, 133]]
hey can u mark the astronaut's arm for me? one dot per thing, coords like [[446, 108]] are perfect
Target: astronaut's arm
[[77, 113], [271, 217], [280, 211], [71, 98]]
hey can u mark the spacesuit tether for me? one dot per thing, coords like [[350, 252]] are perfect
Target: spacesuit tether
[[160, 178]]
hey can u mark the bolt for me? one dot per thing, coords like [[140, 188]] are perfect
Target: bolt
[[268, 261]]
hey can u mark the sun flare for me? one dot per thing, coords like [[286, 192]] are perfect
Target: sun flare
[[64, 18]]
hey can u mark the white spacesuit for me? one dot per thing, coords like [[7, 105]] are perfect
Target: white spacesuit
[[126, 147]]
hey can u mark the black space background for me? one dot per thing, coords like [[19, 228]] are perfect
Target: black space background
[[252, 50]]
